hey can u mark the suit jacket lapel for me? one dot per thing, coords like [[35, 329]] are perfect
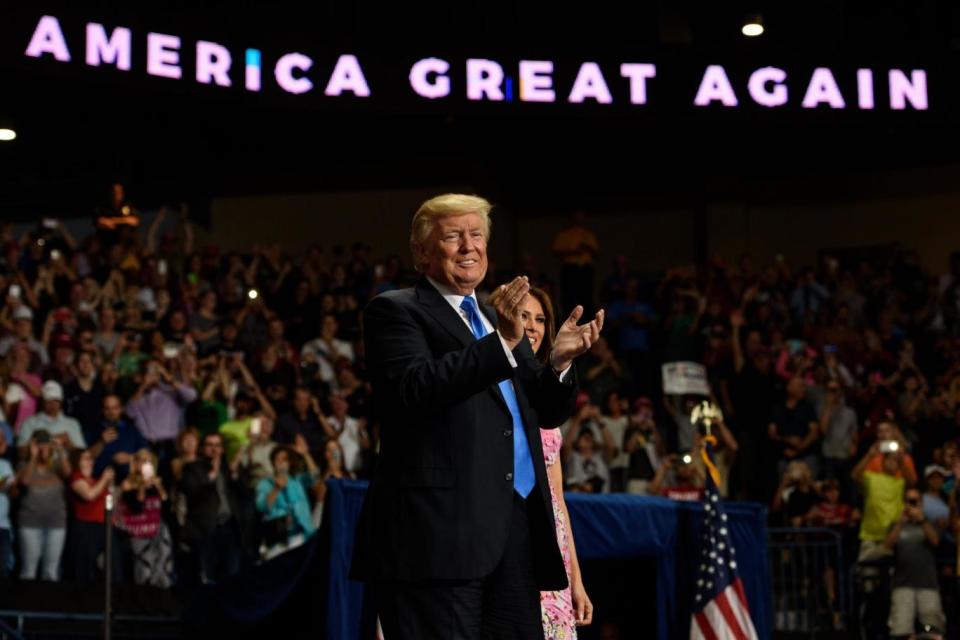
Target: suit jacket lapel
[[450, 320], [443, 313]]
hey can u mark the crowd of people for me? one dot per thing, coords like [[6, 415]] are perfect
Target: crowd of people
[[214, 393]]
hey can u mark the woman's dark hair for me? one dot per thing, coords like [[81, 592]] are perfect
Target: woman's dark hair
[[550, 322], [282, 448]]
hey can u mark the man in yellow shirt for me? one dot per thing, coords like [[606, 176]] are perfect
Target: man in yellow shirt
[[882, 500]]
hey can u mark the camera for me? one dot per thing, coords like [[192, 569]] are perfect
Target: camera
[[889, 446]]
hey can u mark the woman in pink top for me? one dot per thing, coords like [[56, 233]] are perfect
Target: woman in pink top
[[24, 395], [561, 611]]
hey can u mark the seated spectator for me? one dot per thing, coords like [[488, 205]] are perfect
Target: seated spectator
[[916, 588], [60, 427], [332, 470], [588, 416], [602, 372], [158, 406], [678, 478], [796, 496], [42, 517], [277, 339], [632, 318], [131, 356], [354, 391], [7, 482], [235, 432], [615, 421], [188, 446], [283, 507], [83, 397], [794, 429], [830, 511], [205, 325], [107, 339], [140, 510], [61, 366], [24, 388], [882, 499], [23, 334], [119, 437], [254, 458], [887, 434], [587, 470], [327, 349], [350, 432], [213, 525], [838, 424], [271, 371], [305, 419], [833, 514], [640, 443], [88, 496], [935, 508]]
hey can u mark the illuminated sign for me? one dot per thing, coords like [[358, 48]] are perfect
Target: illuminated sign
[[630, 83]]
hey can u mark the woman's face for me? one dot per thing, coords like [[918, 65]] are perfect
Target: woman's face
[[534, 321], [281, 462], [190, 444], [209, 302], [43, 452], [333, 454], [178, 321], [86, 464]]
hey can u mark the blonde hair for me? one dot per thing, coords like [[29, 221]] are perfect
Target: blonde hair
[[141, 456], [448, 204]]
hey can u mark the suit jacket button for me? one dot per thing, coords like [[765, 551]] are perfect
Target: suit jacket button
[[507, 433], [508, 477]]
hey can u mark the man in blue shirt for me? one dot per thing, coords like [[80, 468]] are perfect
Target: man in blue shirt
[[121, 439]]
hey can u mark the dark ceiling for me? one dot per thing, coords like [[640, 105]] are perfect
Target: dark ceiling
[[79, 134]]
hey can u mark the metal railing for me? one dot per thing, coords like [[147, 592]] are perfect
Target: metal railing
[[808, 577], [19, 618]]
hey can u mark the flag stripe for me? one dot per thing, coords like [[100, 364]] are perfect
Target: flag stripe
[[739, 601], [721, 611], [729, 616], [719, 623], [706, 631]]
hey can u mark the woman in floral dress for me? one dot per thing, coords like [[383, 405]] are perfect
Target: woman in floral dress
[[561, 611]]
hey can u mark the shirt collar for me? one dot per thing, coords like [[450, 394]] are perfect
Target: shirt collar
[[453, 298]]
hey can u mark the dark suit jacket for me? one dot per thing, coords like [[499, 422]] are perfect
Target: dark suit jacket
[[203, 500], [440, 502]]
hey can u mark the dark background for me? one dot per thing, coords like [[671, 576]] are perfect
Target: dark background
[[81, 128]]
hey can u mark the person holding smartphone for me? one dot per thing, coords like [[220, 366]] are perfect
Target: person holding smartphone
[[142, 503], [916, 589], [283, 506], [43, 508]]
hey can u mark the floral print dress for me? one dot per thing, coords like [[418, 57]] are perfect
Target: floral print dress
[[556, 607]]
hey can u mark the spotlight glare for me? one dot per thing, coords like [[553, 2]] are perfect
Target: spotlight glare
[[752, 29], [6, 135]]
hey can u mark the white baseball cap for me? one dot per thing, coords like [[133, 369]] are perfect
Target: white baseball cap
[[23, 312], [935, 468], [52, 390]]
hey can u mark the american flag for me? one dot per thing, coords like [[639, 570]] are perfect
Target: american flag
[[720, 610]]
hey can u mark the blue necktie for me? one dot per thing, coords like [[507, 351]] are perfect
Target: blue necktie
[[523, 475]]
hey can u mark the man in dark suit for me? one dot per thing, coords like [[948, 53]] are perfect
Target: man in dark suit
[[457, 533], [215, 522]]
